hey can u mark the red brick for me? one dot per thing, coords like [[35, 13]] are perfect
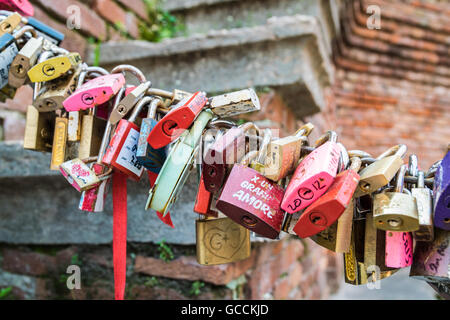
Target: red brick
[[113, 13], [143, 292], [28, 263], [137, 6]]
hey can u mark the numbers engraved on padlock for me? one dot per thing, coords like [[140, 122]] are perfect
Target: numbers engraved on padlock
[[127, 156], [307, 194], [224, 243]]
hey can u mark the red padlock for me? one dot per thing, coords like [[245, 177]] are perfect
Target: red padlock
[[22, 6], [252, 200], [328, 208], [223, 154], [179, 119], [203, 201]]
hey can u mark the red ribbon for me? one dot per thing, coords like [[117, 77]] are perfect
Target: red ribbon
[[120, 233]]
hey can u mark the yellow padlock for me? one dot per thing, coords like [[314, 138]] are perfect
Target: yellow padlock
[[54, 68]]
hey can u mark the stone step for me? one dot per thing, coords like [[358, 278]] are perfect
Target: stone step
[[287, 54]]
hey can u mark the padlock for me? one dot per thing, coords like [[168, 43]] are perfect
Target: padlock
[[132, 97], [221, 241], [326, 238], [174, 97], [328, 208], [22, 6], [235, 103], [223, 154], [442, 194], [176, 169], [59, 145], [151, 159], [381, 172], [396, 211], [10, 23], [39, 130], [74, 126], [92, 129], [284, 154], [258, 163], [44, 30], [53, 93], [24, 61], [314, 176], [95, 92], [344, 229], [354, 269], [424, 202], [54, 68], [121, 152], [8, 51], [252, 200], [80, 176], [167, 220], [179, 119], [399, 249], [431, 260]]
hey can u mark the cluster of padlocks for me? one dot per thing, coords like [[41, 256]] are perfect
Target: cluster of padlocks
[[96, 126]]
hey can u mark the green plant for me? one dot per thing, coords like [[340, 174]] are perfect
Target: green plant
[[97, 44], [152, 282], [165, 252], [196, 288], [4, 293], [75, 260], [161, 24], [284, 275]]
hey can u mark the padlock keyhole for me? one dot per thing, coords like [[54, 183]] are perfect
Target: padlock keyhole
[[447, 220], [212, 172], [249, 222], [169, 127]]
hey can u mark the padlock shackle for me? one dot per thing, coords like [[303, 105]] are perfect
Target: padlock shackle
[[400, 181], [249, 157], [19, 33], [160, 93], [344, 159], [155, 103], [413, 165], [305, 130], [420, 179], [355, 164], [399, 150], [359, 154], [328, 136], [219, 123], [432, 171], [138, 108], [59, 51], [131, 69], [262, 154]]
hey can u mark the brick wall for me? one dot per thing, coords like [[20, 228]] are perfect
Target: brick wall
[[393, 84]]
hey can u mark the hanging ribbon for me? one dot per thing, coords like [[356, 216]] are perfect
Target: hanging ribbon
[[120, 233]]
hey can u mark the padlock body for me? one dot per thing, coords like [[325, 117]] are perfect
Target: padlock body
[[221, 241], [312, 178], [378, 174], [93, 200], [8, 52], [176, 121], [399, 249], [442, 195], [94, 92], [344, 229], [235, 103], [226, 151], [24, 61], [151, 159], [395, 211], [39, 130], [92, 130], [424, 202], [22, 6], [327, 238], [121, 152], [282, 157], [54, 68], [354, 270], [431, 260], [10, 23], [79, 175], [203, 200], [327, 209], [59, 149], [252, 200], [74, 128]]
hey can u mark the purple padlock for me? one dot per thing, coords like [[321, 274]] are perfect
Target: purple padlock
[[442, 194]]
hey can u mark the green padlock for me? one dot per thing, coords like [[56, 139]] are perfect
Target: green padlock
[[177, 167]]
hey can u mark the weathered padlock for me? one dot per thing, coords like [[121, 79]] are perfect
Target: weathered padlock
[[326, 238], [221, 241], [396, 211], [223, 154], [132, 97], [174, 97], [431, 260], [399, 249], [59, 145], [39, 130], [314, 176], [344, 228], [22, 6], [80, 176], [235, 103], [151, 159], [8, 51], [331, 205], [54, 68], [74, 126], [381, 172], [283, 154], [179, 119], [252, 200], [44, 30], [121, 152], [354, 270], [424, 202], [177, 167], [53, 93], [10, 23], [92, 129], [442, 194], [24, 61], [95, 92]]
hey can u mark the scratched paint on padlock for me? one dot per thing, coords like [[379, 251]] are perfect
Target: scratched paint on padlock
[[6, 58], [399, 249], [224, 242], [127, 156]]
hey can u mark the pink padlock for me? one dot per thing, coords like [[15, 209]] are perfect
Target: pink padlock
[[314, 175], [399, 249], [95, 92]]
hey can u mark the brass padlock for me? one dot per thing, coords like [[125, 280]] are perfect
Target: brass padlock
[[396, 211], [92, 129], [424, 201], [327, 238], [24, 61], [59, 150], [344, 229], [74, 128], [39, 130], [221, 241], [381, 172], [354, 270], [10, 23]]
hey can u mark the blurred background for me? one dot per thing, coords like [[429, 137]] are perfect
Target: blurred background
[[377, 72]]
